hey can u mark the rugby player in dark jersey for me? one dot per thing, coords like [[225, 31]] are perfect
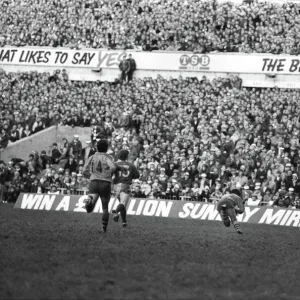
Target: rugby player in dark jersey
[[100, 168], [122, 182], [230, 205]]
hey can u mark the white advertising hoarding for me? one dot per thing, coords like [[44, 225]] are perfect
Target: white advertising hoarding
[[153, 61]]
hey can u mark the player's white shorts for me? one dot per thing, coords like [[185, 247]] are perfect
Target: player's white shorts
[[122, 192]]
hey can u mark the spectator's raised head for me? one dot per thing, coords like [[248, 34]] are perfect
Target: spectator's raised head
[[152, 166], [176, 187], [195, 185], [175, 173], [18, 168], [137, 188], [169, 184], [288, 167], [53, 188]]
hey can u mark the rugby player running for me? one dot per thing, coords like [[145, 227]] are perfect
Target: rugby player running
[[122, 181], [100, 168], [229, 206]]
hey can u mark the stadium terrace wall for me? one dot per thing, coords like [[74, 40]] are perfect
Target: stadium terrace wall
[[257, 70], [161, 208], [43, 141]]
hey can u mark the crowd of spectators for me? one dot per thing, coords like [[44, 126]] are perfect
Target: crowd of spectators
[[190, 139], [261, 27]]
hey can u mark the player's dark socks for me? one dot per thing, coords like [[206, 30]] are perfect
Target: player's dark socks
[[123, 213], [237, 226], [224, 214], [104, 227], [105, 218]]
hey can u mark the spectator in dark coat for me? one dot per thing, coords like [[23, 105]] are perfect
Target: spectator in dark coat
[[98, 132], [124, 67], [205, 195], [137, 193], [132, 67], [71, 165], [3, 139], [45, 159], [186, 180], [3, 173], [14, 134], [34, 186], [12, 194], [56, 154], [26, 132], [76, 147]]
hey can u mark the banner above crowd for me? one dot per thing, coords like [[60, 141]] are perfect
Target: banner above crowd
[[49, 57], [153, 61], [217, 63], [161, 208]]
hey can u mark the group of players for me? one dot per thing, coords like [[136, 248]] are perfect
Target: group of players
[[102, 171]]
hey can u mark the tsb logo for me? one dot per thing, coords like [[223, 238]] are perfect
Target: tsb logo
[[194, 62]]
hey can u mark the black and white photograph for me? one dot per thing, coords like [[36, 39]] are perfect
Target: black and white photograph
[[149, 149]]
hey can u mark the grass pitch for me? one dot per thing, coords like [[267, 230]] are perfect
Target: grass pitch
[[59, 255]]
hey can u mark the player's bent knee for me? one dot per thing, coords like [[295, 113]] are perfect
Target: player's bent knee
[[120, 206]]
